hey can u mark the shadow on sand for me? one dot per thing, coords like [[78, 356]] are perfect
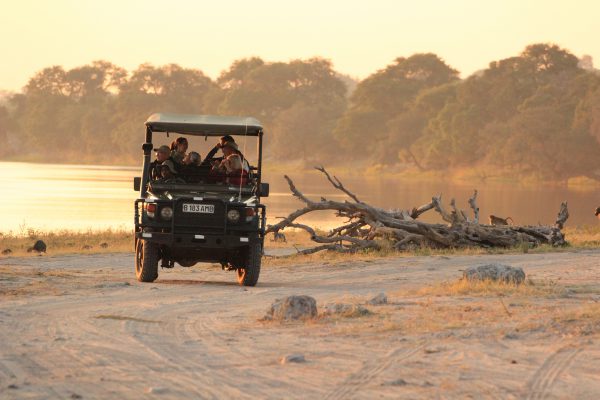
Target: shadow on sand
[[213, 283]]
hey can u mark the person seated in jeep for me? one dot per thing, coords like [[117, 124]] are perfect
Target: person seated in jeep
[[178, 149], [167, 173], [231, 162], [210, 157], [162, 155], [232, 169], [192, 159]]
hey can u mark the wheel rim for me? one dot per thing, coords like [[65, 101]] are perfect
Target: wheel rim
[[139, 258]]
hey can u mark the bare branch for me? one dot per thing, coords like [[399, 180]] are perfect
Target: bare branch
[[562, 216], [473, 204], [337, 184]]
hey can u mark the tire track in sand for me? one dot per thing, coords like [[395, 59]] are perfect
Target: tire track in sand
[[545, 377], [369, 371]]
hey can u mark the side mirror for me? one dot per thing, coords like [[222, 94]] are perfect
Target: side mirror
[[137, 182], [263, 190]]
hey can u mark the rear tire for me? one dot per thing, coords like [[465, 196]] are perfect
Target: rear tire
[[146, 261], [248, 275]]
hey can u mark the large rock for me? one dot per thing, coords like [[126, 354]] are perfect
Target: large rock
[[39, 246], [292, 308], [495, 272]]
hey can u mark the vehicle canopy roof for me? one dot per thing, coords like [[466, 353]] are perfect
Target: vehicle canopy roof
[[204, 125]]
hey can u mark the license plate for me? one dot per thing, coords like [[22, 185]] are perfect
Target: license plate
[[199, 208]]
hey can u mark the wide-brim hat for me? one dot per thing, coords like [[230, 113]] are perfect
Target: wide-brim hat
[[163, 149], [232, 145]]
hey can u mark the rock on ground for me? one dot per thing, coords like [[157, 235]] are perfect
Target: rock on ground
[[495, 272], [345, 310], [293, 358], [40, 246], [381, 298], [292, 308]]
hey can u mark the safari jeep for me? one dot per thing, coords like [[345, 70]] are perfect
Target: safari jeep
[[201, 216]]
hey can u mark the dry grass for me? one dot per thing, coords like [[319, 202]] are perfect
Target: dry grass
[[109, 241], [583, 236], [463, 287], [66, 241]]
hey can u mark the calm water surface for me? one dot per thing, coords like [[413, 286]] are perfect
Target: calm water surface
[[80, 197]]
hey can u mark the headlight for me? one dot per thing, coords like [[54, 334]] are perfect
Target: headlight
[[233, 216], [166, 212]]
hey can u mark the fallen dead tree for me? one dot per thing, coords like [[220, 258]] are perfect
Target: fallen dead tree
[[366, 226]]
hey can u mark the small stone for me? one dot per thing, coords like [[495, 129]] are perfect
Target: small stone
[[495, 272], [511, 336], [432, 350], [513, 361], [40, 246], [104, 245], [293, 358], [381, 298], [6, 252], [397, 382], [86, 247], [292, 308], [76, 396], [157, 390], [12, 386], [345, 310]]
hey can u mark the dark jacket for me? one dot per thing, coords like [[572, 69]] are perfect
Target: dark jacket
[[155, 169]]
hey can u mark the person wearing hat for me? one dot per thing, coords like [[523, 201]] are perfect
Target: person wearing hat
[[162, 155], [167, 173], [225, 139], [232, 161], [209, 157]]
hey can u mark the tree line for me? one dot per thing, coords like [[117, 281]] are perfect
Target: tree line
[[537, 113]]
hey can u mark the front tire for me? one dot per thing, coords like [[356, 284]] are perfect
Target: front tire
[[146, 261], [248, 275]]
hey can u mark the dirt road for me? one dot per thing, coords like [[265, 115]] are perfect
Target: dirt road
[[82, 327]]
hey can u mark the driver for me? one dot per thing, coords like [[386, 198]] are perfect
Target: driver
[[167, 173], [162, 155]]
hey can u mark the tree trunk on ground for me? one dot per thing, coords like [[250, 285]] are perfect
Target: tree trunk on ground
[[365, 226]]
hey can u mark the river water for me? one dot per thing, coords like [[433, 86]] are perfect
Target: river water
[[80, 197]]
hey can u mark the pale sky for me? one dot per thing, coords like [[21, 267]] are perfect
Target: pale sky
[[359, 37]]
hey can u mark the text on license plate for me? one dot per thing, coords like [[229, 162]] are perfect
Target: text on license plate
[[199, 208]]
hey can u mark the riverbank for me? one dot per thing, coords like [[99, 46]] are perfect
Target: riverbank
[[116, 241]]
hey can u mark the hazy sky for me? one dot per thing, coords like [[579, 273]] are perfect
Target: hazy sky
[[358, 36]]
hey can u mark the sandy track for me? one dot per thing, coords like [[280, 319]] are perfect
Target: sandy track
[[82, 326]]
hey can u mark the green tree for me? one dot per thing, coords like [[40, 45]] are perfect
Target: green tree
[[387, 95]]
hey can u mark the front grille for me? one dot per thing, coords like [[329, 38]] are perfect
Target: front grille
[[183, 221]]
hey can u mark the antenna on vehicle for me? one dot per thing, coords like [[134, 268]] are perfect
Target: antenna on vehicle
[[242, 161]]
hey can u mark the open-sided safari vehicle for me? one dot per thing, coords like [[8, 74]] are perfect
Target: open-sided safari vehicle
[[210, 217]]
